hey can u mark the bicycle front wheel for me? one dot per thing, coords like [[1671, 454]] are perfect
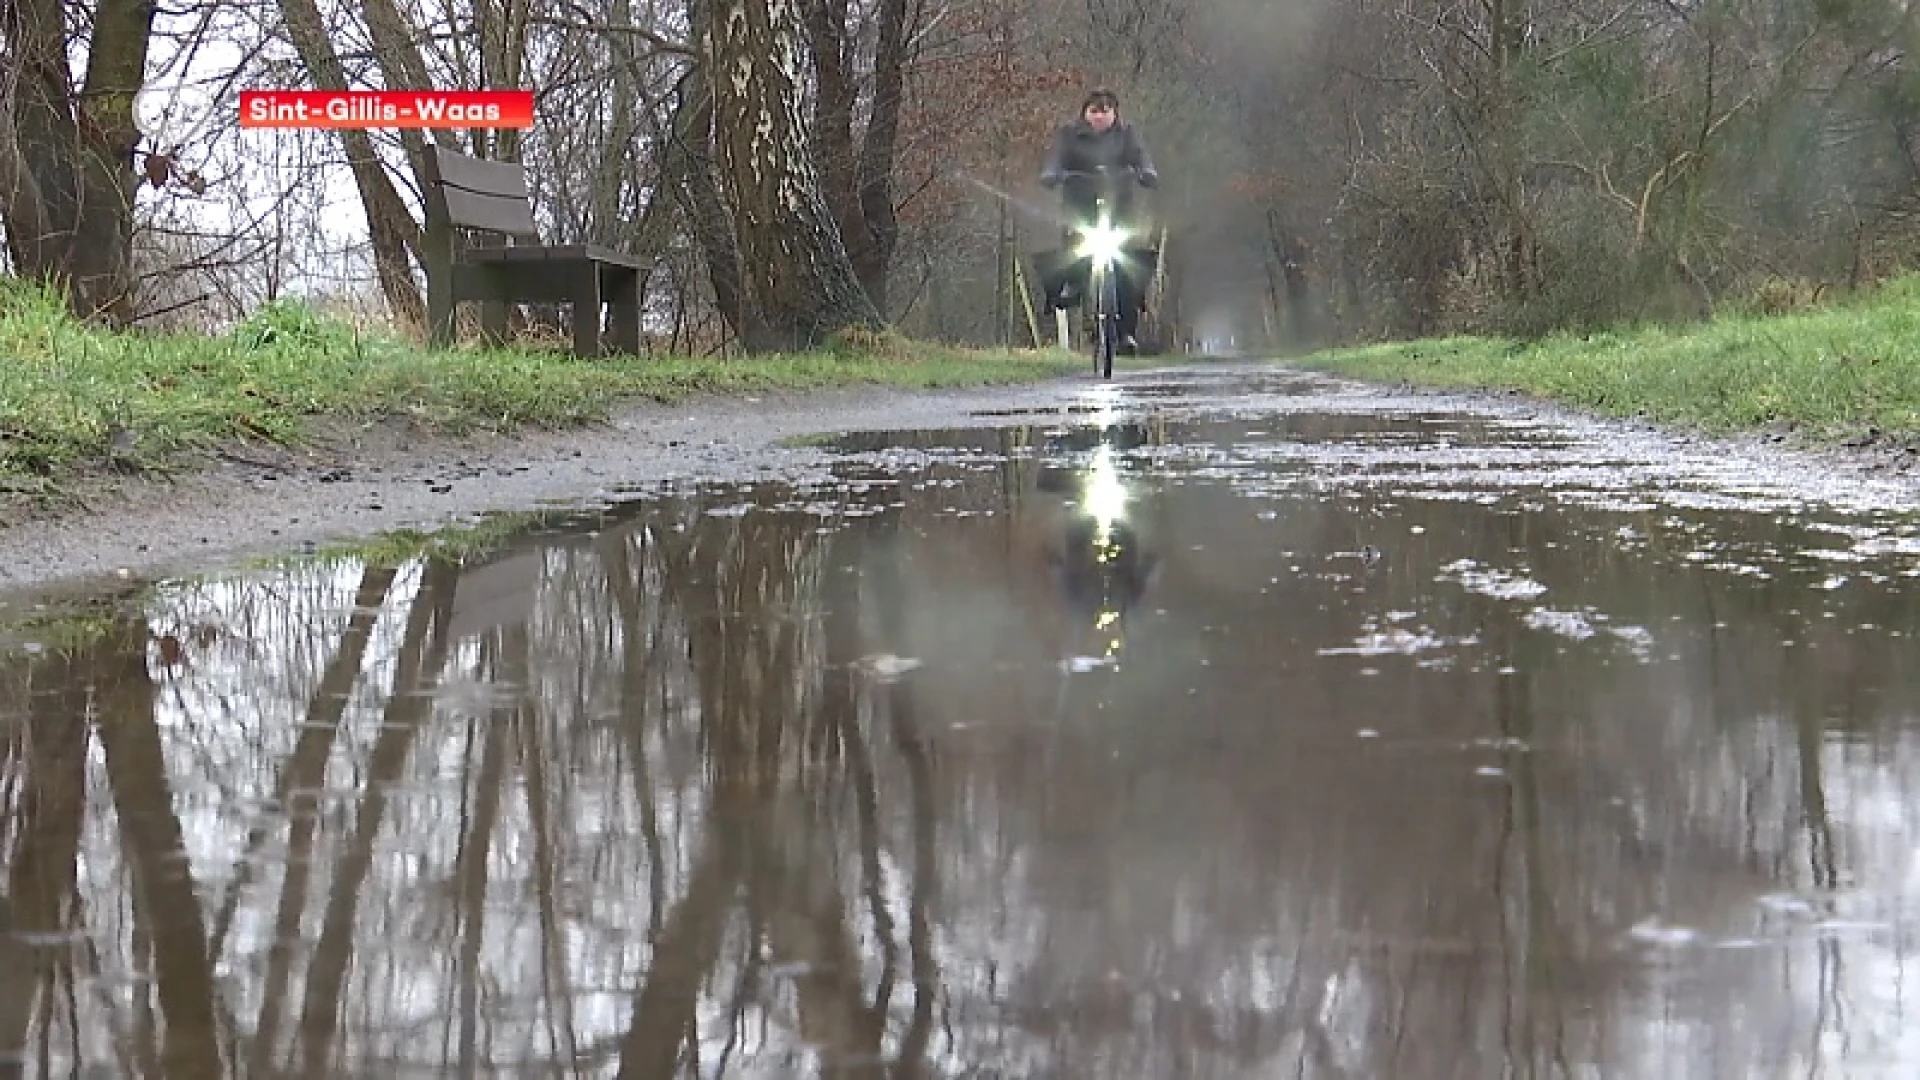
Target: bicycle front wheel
[[1107, 332]]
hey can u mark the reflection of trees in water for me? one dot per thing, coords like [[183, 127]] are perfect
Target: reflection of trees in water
[[669, 814], [101, 690], [1641, 791], [665, 777]]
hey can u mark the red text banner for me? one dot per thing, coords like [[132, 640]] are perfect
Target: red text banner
[[386, 109]]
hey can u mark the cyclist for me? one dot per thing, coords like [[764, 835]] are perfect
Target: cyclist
[[1099, 143]]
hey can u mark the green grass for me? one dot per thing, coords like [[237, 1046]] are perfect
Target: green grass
[[73, 397], [1842, 370]]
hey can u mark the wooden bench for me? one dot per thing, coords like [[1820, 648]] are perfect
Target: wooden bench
[[467, 195]]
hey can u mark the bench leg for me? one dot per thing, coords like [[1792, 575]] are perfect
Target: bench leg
[[440, 311], [441, 289], [623, 304], [494, 311], [586, 312]]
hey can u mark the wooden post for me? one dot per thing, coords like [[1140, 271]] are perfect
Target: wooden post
[[1026, 299], [1002, 265]]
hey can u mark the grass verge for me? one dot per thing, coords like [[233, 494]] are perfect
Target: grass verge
[[1846, 370], [74, 398]]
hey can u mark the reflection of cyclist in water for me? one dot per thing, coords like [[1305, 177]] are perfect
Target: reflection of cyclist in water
[[1104, 578], [1102, 567]]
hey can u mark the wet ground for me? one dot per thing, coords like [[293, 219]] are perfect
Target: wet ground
[[1206, 728]]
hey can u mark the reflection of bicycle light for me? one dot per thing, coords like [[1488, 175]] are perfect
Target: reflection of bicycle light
[[1102, 243], [1105, 498]]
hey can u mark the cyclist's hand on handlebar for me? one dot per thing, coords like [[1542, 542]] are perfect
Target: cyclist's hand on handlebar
[[1146, 178]]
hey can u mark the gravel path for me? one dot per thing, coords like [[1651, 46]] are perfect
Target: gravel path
[[261, 502]]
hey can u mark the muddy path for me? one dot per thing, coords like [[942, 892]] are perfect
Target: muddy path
[[355, 483]]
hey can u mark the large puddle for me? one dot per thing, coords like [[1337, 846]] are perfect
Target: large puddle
[[1154, 744]]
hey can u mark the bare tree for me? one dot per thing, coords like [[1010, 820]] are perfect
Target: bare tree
[[859, 179], [66, 151], [796, 264], [395, 235]]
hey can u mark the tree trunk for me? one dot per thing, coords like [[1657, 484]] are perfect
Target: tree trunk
[[610, 175], [66, 163], [834, 147], [687, 171], [390, 226], [796, 265], [875, 175], [503, 56], [858, 180]]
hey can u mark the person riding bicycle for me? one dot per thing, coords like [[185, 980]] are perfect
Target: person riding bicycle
[[1100, 154]]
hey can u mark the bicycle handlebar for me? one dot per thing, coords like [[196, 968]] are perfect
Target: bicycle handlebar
[[1104, 172]]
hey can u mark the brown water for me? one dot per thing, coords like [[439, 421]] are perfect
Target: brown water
[[1430, 747]]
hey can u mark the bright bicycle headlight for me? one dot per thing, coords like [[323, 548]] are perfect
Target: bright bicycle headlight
[[1102, 243]]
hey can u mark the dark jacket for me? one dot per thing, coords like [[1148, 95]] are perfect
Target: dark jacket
[[1078, 148]]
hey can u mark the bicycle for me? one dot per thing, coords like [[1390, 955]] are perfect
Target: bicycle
[[1102, 243]]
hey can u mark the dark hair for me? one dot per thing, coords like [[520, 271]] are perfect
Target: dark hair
[[1102, 96]]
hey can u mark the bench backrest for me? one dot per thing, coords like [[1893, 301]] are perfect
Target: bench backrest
[[484, 196]]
